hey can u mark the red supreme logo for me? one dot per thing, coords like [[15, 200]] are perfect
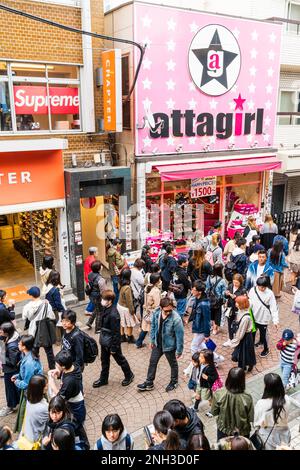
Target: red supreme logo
[[34, 100]]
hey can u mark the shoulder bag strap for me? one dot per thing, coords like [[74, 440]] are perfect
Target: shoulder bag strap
[[260, 299], [38, 311]]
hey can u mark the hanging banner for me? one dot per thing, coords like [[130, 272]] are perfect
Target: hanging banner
[[201, 187], [112, 90]]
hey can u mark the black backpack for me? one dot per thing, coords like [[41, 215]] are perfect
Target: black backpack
[[90, 348], [215, 301], [230, 270]]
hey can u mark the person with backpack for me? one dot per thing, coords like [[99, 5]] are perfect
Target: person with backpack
[[53, 294], [181, 284], [114, 435], [116, 263], [264, 308], [276, 259], [259, 268], [215, 291], [239, 257], [243, 344], [151, 303], [169, 266], [10, 367], [71, 384], [271, 414], [35, 312], [198, 267], [73, 339], [214, 254], [96, 285], [234, 290], [110, 341]]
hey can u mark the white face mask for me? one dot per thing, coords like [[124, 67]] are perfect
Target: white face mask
[[104, 303]]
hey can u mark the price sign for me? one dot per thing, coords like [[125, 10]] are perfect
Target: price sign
[[202, 187]]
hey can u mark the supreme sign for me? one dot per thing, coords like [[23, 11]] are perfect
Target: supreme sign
[[34, 100]]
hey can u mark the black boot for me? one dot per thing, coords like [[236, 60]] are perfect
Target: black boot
[[123, 339], [99, 383], [131, 339]]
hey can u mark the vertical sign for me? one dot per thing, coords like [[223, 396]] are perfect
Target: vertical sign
[[112, 90]]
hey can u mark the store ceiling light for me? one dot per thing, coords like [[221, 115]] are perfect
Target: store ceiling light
[[19, 65]]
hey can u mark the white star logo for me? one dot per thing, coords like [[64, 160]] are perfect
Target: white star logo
[[270, 72], [171, 25], [254, 35], [272, 37], [147, 64], [251, 88], [192, 86], [170, 84], [268, 104], [267, 121], [171, 65], [146, 21], [236, 32], [213, 104], [253, 53], [147, 142], [147, 84], [232, 105], [170, 141], [269, 89], [271, 55], [266, 137], [147, 103], [194, 27], [147, 42], [249, 138], [253, 71], [192, 104], [192, 140], [171, 45], [250, 105], [170, 103], [212, 139]]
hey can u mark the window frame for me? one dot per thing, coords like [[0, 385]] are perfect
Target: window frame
[[11, 79], [127, 54], [294, 93]]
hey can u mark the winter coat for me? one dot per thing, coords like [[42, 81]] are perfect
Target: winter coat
[[241, 261], [126, 298], [194, 426], [6, 314], [110, 319], [169, 268], [73, 342], [182, 278], [29, 366], [114, 259], [262, 314], [172, 332], [251, 276], [212, 375], [234, 410], [201, 316], [30, 313], [12, 355], [120, 444], [206, 270]]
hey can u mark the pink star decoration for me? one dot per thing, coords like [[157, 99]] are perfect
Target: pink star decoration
[[239, 103]]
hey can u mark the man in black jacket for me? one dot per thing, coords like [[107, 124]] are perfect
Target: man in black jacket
[[187, 422], [110, 341], [181, 279], [72, 340]]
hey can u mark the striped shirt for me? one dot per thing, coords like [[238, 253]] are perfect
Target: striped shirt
[[287, 354]]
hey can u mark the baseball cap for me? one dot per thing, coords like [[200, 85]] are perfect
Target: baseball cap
[[34, 291], [287, 335]]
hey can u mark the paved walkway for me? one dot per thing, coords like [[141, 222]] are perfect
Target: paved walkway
[[138, 408]]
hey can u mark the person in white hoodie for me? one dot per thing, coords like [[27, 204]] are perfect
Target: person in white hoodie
[[36, 310], [265, 309], [114, 435]]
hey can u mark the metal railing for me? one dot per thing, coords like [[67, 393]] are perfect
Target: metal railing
[[286, 220], [288, 21]]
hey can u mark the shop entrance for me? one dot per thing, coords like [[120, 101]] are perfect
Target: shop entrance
[[25, 238]]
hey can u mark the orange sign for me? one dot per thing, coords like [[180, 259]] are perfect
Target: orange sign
[[112, 90], [17, 293], [31, 177]]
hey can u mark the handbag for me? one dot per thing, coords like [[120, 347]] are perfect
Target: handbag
[[257, 441], [45, 333], [210, 344], [192, 384], [106, 338]]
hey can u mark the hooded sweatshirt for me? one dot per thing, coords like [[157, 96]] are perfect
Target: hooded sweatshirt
[[194, 426], [35, 311], [120, 444], [240, 259]]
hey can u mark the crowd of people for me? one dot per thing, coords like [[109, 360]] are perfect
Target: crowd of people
[[237, 284]]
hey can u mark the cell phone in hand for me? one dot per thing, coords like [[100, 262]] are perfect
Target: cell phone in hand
[[148, 435]]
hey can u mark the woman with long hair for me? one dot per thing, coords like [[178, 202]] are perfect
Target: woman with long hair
[[198, 267], [271, 413], [165, 437], [145, 256], [268, 232], [276, 259], [251, 229], [294, 260], [126, 307], [234, 290], [53, 294], [152, 298]]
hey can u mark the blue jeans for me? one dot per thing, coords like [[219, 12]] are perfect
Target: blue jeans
[[181, 306], [78, 411], [115, 282], [286, 369], [141, 338]]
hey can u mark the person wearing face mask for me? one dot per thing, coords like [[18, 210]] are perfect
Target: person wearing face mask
[[110, 341]]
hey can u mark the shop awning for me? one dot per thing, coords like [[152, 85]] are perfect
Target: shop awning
[[200, 169]]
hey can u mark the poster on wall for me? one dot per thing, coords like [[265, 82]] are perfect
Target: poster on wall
[[202, 187]]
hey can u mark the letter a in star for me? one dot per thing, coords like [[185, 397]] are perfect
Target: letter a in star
[[214, 61]]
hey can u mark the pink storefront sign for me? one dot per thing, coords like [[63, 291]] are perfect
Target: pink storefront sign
[[207, 83]]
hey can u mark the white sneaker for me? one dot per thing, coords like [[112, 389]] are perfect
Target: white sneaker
[[219, 358], [6, 411]]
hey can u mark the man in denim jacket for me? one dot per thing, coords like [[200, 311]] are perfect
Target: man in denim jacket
[[166, 338], [257, 269]]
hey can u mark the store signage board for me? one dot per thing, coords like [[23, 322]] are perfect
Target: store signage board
[[202, 187], [34, 100], [112, 90], [207, 83]]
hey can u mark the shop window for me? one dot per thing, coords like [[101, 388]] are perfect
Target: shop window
[[3, 68], [125, 91], [289, 103], [31, 106], [19, 69], [65, 107], [5, 112], [293, 14], [63, 71], [153, 183]]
